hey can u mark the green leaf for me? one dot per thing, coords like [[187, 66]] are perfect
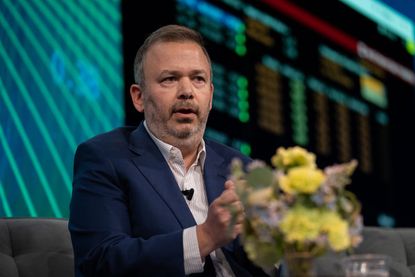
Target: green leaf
[[260, 177]]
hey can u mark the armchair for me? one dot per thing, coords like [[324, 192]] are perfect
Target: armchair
[[35, 247]]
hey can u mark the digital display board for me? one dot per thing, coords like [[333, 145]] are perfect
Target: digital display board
[[61, 82], [339, 83]]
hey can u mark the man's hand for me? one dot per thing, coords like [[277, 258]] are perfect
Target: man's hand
[[223, 223]]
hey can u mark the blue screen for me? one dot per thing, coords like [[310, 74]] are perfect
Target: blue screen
[[61, 82]]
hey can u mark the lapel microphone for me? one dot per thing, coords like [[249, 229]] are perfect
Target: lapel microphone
[[188, 193]]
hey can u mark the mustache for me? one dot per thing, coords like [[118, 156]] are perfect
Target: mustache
[[185, 106]]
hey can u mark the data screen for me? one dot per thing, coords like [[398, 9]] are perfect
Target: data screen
[[339, 83]]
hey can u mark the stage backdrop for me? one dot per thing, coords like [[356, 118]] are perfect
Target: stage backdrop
[[61, 82], [339, 83]]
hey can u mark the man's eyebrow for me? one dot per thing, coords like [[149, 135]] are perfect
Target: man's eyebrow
[[178, 72], [199, 71]]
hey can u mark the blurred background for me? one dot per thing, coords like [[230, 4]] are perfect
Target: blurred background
[[336, 77]]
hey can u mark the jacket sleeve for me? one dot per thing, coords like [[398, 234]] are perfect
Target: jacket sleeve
[[100, 228]]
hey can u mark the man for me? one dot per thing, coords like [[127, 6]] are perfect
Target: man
[[128, 215]]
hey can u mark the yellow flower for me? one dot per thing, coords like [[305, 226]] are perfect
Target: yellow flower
[[336, 229], [302, 180], [289, 212], [286, 158], [300, 224]]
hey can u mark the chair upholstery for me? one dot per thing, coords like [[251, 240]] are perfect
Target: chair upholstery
[[35, 247], [41, 247], [398, 243]]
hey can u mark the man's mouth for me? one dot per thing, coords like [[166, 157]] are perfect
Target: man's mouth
[[185, 111], [185, 108]]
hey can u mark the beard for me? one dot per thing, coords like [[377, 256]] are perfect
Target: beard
[[189, 130], [176, 131]]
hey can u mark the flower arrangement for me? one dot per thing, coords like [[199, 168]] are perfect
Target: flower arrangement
[[295, 207]]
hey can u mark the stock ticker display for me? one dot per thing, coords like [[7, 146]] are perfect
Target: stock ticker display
[[336, 77]]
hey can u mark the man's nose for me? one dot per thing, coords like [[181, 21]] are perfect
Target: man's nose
[[185, 89]]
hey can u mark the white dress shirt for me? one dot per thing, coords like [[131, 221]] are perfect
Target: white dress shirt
[[198, 205]]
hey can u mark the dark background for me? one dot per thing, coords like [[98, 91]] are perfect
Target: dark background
[[387, 190]]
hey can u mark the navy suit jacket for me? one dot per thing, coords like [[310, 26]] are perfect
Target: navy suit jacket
[[127, 213]]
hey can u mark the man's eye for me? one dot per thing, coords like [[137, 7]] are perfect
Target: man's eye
[[168, 79], [199, 79]]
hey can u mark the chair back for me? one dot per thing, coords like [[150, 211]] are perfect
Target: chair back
[[35, 247]]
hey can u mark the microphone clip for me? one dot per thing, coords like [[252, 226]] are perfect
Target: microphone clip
[[188, 193]]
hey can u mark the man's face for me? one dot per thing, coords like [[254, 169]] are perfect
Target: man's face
[[177, 96]]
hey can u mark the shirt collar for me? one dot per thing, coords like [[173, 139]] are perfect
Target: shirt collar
[[171, 152]]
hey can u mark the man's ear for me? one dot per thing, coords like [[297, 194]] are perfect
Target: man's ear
[[137, 97]]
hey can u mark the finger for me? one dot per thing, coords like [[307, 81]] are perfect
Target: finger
[[237, 229], [229, 185], [237, 206], [241, 207], [227, 197], [237, 213], [241, 218]]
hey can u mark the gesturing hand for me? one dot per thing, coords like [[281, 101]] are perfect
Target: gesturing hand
[[223, 223]]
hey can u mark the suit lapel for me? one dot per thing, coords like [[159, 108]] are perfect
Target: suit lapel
[[214, 174], [151, 163]]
